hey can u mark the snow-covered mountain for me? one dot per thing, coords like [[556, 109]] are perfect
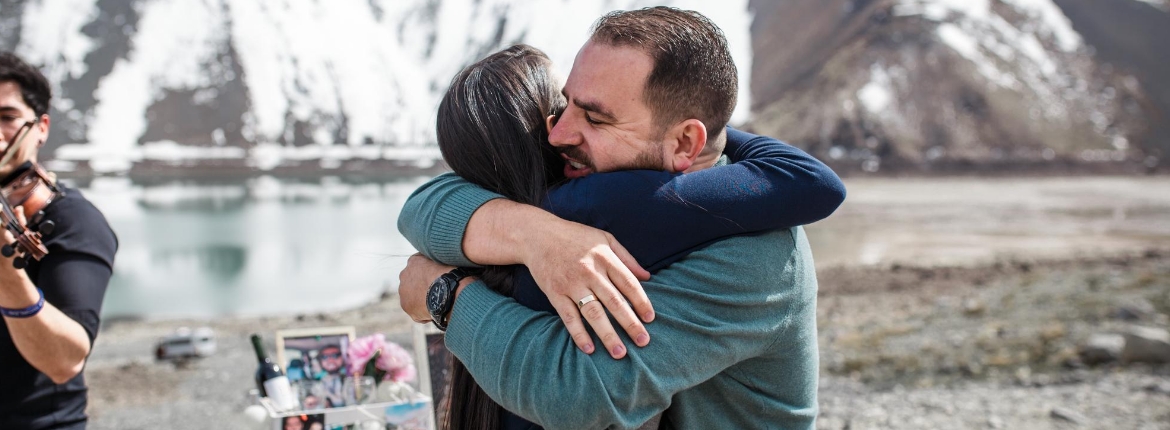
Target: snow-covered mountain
[[352, 85], [272, 83], [963, 84]]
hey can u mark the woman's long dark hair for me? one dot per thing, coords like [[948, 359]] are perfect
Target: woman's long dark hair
[[491, 131]]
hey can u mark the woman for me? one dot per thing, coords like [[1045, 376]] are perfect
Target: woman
[[491, 132], [491, 129]]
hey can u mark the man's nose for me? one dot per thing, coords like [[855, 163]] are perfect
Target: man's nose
[[563, 132]]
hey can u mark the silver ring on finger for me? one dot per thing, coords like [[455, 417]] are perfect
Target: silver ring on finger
[[585, 300]]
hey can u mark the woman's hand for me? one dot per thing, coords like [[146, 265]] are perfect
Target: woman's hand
[[586, 272]]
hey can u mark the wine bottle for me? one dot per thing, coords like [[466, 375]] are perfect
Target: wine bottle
[[271, 380]]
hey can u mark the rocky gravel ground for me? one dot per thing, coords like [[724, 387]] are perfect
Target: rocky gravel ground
[[998, 346], [995, 346]]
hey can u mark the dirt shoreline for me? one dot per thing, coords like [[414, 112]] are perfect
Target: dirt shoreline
[[990, 346]]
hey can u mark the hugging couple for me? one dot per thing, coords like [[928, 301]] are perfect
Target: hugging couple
[[618, 213]]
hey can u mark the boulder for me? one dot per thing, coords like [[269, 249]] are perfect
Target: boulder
[[1102, 349], [1147, 345]]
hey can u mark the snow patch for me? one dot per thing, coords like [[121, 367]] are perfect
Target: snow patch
[[167, 150], [54, 39], [171, 50], [1160, 4], [968, 47], [876, 95]]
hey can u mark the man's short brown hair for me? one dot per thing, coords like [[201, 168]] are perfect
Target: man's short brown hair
[[694, 75]]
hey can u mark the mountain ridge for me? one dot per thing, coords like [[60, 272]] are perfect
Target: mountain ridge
[[948, 86]]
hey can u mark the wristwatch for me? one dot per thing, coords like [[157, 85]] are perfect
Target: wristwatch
[[441, 295]]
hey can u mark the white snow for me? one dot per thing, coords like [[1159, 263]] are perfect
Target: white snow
[[876, 95], [1160, 4], [52, 36], [1054, 21], [1019, 56], [969, 48], [167, 150], [174, 43]]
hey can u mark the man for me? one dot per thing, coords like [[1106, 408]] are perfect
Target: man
[[50, 307], [734, 322], [332, 374]]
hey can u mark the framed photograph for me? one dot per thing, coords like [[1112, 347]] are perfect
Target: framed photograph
[[301, 422], [315, 361]]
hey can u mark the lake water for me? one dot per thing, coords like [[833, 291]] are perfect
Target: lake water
[[267, 246]]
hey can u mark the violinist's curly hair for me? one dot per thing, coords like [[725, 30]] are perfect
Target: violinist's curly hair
[[491, 131], [34, 88]]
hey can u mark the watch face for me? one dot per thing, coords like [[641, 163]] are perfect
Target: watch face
[[436, 296], [439, 299]]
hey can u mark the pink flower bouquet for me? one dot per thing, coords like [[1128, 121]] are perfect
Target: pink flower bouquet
[[390, 361]]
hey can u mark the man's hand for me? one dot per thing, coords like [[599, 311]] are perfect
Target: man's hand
[[571, 262], [413, 283]]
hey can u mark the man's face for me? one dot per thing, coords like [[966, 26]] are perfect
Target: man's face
[[14, 114], [607, 126], [331, 359]]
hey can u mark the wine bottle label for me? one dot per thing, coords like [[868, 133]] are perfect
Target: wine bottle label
[[280, 392]]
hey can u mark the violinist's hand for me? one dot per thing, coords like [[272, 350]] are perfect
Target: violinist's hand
[[8, 237], [413, 283], [10, 275]]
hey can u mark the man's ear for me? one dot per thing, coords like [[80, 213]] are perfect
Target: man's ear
[[686, 141], [549, 122], [43, 123]]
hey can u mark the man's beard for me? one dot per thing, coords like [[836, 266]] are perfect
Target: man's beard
[[650, 159]]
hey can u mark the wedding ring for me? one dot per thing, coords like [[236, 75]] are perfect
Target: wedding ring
[[585, 300]]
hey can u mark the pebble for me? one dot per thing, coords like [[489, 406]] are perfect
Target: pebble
[[1069, 415], [974, 307]]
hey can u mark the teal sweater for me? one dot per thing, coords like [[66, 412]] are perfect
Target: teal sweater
[[734, 339]]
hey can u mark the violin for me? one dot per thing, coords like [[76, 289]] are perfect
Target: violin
[[31, 188]]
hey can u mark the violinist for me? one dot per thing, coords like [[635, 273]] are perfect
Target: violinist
[[50, 304]]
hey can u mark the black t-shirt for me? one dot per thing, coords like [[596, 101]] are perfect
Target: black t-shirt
[[73, 276]]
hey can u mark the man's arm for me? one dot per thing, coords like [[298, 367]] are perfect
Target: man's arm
[[51, 341], [712, 314]]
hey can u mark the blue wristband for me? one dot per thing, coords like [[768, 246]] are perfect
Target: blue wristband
[[26, 312]]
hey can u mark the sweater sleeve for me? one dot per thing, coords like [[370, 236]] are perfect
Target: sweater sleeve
[[708, 319], [435, 217], [771, 185]]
